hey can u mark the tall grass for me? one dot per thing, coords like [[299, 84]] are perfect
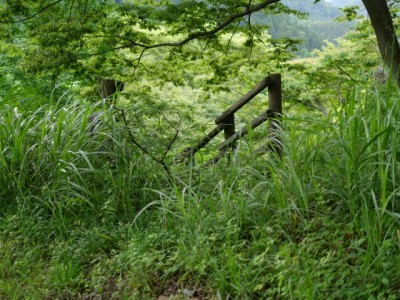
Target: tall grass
[[332, 200], [322, 221], [73, 160]]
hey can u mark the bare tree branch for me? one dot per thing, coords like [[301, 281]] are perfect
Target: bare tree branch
[[70, 10], [108, 37], [171, 142], [227, 46], [249, 16], [84, 10], [251, 9], [146, 151], [138, 62], [35, 14]]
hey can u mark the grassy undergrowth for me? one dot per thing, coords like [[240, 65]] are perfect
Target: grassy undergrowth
[[85, 214]]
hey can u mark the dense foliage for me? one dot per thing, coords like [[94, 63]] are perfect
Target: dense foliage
[[94, 204]]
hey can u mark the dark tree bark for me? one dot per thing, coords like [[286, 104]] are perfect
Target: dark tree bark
[[382, 23]]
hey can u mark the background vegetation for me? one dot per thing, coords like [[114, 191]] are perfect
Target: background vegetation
[[89, 212]]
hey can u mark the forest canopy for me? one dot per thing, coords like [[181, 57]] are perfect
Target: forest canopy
[[63, 36]]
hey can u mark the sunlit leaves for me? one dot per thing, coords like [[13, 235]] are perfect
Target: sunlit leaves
[[72, 29]]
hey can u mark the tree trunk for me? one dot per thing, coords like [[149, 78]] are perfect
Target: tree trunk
[[382, 23]]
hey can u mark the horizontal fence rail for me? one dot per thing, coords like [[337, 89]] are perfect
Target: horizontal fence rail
[[226, 121], [245, 99]]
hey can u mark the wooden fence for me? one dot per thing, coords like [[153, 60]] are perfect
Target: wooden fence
[[226, 122]]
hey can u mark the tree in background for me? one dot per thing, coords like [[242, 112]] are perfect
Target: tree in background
[[382, 22]]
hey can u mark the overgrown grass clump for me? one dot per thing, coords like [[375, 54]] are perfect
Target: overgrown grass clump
[[87, 214], [70, 161]]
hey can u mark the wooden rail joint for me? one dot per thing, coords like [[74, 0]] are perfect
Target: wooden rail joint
[[226, 121], [245, 99]]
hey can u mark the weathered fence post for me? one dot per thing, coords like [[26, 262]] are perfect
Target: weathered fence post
[[108, 88], [229, 130], [226, 122], [108, 91], [275, 105]]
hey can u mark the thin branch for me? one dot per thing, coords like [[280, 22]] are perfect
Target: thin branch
[[206, 46], [131, 45], [169, 146], [176, 129], [137, 144], [249, 17], [227, 46], [84, 10], [70, 10], [252, 35], [197, 34], [319, 108], [35, 14], [138, 62], [108, 37], [347, 74], [133, 140]]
